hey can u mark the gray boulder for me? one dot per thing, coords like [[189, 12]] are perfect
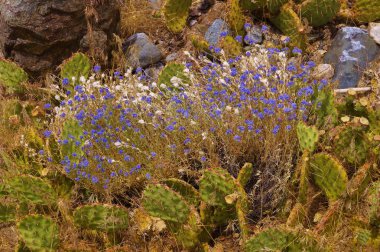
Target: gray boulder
[[254, 35], [140, 51], [212, 35], [351, 51]]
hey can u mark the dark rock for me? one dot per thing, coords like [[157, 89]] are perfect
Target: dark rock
[[254, 35], [40, 34], [351, 51], [212, 35], [140, 51]]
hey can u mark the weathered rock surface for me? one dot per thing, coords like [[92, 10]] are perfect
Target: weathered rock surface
[[374, 31], [212, 35], [140, 51], [351, 51], [254, 35], [39, 34]]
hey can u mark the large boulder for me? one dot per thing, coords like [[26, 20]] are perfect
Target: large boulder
[[350, 53], [39, 34]]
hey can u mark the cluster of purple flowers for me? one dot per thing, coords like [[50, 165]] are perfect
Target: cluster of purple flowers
[[127, 127]]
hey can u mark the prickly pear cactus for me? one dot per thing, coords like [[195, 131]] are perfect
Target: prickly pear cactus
[[176, 13], [39, 233], [187, 191], [352, 146], [366, 10], [329, 175], [173, 70], [303, 167], [12, 77], [276, 239], [290, 24], [76, 66], [245, 174], [200, 44], [325, 109], [231, 47], [101, 217], [31, 190], [235, 17], [307, 136], [215, 185], [71, 132], [162, 202], [319, 12], [7, 213], [373, 198]]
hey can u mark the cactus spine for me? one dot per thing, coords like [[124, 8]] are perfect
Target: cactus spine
[[39, 233], [12, 77], [176, 13], [329, 175]]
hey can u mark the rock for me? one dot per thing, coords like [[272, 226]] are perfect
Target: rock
[[171, 57], [155, 4], [140, 51], [153, 72], [97, 39], [212, 35], [351, 51], [323, 71], [374, 31], [199, 7], [40, 34], [254, 35]]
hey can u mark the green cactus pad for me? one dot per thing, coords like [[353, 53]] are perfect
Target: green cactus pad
[[176, 13], [273, 6], [187, 191], [352, 146], [373, 198], [173, 70], [39, 233], [162, 202], [31, 189], [101, 217], [7, 213], [245, 174], [276, 239], [76, 66], [290, 24], [235, 17], [303, 167], [325, 109], [307, 136], [366, 10], [231, 47], [72, 128], [12, 77], [319, 12], [329, 175], [215, 185]]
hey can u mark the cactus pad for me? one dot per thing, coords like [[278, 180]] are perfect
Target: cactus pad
[[31, 189], [329, 175], [235, 17], [366, 10], [245, 174], [76, 66], [290, 24], [272, 240], [162, 202], [71, 129], [173, 70], [231, 47], [307, 136], [373, 199], [7, 213], [12, 77], [101, 217], [176, 13], [187, 191], [319, 12], [352, 146], [215, 185], [39, 233]]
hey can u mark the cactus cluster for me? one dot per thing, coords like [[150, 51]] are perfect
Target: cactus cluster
[[76, 66], [101, 217], [12, 77], [307, 136], [176, 13], [39, 233]]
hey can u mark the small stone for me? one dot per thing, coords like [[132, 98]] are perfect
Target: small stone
[[364, 121], [193, 22], [171, 57], [212, 35], [140, 51], [254, 35], [374, 31], [323, 71]]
